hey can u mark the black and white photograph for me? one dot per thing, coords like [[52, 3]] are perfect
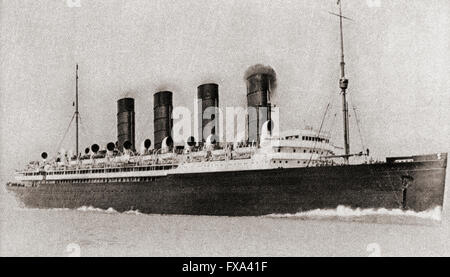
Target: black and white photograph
[[224, 128]]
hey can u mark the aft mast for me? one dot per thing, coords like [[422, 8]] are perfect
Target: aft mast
[[343, 84], [76, 112]]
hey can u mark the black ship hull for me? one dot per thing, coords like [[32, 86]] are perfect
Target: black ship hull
[[417, 186]]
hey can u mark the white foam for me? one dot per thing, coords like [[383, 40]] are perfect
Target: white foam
[[40, 209], [135, 212], [346, 212], [59, 209], [110, 210], [93, 209]]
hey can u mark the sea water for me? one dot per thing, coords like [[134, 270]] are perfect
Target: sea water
[[89, 231]]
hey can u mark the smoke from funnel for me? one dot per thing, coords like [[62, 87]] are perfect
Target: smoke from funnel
[[263, 70]]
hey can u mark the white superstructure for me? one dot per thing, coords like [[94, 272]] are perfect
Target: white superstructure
[[299, 148]]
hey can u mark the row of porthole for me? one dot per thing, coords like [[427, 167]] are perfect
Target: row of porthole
[[113, 180], [304, 151], [288, 162], [107, 170], [215, 165]]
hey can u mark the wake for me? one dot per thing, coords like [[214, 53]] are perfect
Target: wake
[[108, 211], [349, 213], [87, 209], [341, 213]]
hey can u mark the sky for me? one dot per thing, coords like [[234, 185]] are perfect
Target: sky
[[397, 58]]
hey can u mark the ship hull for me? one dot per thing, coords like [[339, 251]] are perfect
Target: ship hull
[[416, 186]]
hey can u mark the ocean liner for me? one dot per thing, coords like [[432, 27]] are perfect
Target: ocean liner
[[266, 173]]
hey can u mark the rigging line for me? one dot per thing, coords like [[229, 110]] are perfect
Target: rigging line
[[318, 134], [336, 128], [333, 126], [358, 125], [329, 128], [359, 128], [67, 130]]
